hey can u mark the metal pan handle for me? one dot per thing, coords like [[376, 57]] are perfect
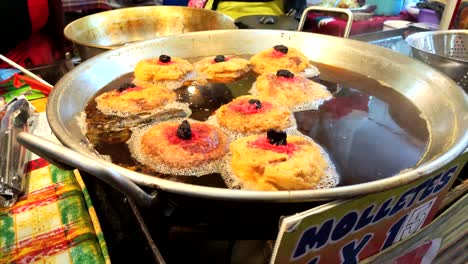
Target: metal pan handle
[[54, 152], [348, 13]]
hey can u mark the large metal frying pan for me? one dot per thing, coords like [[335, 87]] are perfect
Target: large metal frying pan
[[108, 30], [441, 101]]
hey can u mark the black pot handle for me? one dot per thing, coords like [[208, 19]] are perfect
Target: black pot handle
[[57, 154]]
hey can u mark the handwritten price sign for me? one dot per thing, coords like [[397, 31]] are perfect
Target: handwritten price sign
[[349, 231]]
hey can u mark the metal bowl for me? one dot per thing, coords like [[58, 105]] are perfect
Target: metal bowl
[[104, 31], [445, 51]]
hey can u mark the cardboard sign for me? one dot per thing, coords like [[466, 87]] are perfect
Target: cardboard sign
[[444, 237], [349, 231]]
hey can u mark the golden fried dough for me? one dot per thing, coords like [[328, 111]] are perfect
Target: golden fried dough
[[223, 68], [161, 144], [164, 71], [260, 165], [290, 91], [244, 115], [134, 100], [271, 60]]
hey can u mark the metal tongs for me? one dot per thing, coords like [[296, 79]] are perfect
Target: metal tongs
[[13, 155]]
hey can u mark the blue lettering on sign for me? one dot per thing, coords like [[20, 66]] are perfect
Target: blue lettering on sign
[[313, 239], [393, 232], [430, 187], [316, 237], [416, 191], [344, 226], [314, 260], [383, 210], [445, 179], [401, 202], [350, 252], [365, 218]]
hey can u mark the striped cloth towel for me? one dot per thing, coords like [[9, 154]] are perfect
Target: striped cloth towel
[[53, 222]]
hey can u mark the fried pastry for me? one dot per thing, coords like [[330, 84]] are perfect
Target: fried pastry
[[180, 148], [295, 91], [282, 57], [222, 68], [273, 163], [130, 99], [253, 114], [165, 71]]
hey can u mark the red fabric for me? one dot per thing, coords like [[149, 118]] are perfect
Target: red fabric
[[37, 50], [20, 80], [337, 27], [38, 13], [416, 255], [79, 5], [36, 164], [197, 3]]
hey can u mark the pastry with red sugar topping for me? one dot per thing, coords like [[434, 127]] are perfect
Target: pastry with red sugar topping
[[253, 114], [179, 148], [130, 99], [280, 162], [170, 72], [295, 91], [224, 69], [282, 57]]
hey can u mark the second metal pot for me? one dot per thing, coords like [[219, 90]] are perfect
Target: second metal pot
[[104, 31]]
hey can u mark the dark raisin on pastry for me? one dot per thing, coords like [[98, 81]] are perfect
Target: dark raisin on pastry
[[281, 48], [125, 86], [256, 102], [276, 137], [285, 73], [184, 131], [164, 58], [219, 58]]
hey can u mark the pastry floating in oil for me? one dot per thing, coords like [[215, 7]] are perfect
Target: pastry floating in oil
[[180, 148], [277, 161], [282, 57], [221, 68], [129, 99], [252, 115], [166, 71], [295, 91]]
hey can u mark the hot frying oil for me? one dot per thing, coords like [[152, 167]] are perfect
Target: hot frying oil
[[369, 130]]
